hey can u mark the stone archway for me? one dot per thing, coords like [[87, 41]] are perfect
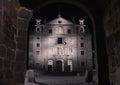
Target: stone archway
[[23, 17], [98, 36]]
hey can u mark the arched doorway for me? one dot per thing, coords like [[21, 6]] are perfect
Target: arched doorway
[[59, 66]]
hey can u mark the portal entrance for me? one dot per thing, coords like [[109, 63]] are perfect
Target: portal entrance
[[58, 66]]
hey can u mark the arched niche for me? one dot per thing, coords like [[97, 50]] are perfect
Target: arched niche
[[50, 65]]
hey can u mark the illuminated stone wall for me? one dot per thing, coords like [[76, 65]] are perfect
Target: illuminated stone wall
[[75, 45]]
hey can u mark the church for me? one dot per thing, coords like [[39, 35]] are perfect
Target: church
[[49, 50], [60, 45]]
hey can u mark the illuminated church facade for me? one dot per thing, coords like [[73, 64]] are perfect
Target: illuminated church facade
[[60, 46]]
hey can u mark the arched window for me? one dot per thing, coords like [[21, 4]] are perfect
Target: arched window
[[50, 65], [82, 29], [50, 62], [69, 65], [59, 30], [60, 51]]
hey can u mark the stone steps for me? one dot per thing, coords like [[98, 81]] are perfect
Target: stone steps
[[56, 80], [64, 81], [67, 83]]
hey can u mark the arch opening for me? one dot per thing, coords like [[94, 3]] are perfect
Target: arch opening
[[90, 26], [73, 20]]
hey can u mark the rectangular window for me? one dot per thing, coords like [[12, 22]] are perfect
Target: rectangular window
[[37, 29], [82, 64], [37, 52], [38, 38], [82, 44], [50, 31], [59, 40], [69, 31], [82, 53], [81, 38], [38, 45]]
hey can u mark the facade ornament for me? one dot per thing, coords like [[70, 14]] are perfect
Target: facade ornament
[[59, 14]]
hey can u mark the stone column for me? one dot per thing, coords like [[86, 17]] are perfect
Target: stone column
[[23, 18]]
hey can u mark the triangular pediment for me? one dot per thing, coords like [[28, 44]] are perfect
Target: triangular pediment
[[60, 20]]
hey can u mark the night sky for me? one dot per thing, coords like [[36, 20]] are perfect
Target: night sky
[[67, 11]]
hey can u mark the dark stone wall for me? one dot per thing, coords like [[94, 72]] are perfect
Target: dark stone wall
[[112, 29], [23, 18], [14, 22], [8, 33]]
